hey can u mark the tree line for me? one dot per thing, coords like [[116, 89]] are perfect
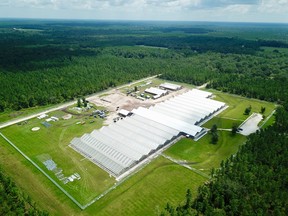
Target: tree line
[[252, 182], [13, 201], [260, 76]]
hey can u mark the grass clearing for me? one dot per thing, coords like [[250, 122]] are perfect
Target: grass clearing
[[53, 141], [9, 115], [203, 155], [238, 104], [145, 193], [269, 122], [34, 183], [222, 122], [148, 191], [234, 114]]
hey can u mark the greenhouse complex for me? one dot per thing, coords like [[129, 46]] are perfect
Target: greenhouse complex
[[120, 146]]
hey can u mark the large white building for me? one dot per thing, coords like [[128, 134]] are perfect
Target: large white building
[[170, 86], [120, 146]]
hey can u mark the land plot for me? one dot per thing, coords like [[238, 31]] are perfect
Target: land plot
[[47, 196], [148, 191], [222, 122], [52, 143], [203, 155], [8, 115], [234, 114], [238, 104]]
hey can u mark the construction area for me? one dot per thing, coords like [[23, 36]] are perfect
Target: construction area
[[142, 127]]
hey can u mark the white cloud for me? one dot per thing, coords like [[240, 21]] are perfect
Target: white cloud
[[274, 6], [214, 10], [172, 3], [240, 9]]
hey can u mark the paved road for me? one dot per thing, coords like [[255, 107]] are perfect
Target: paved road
[[62, 106]]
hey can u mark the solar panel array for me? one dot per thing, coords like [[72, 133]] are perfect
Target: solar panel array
[[118, 147]]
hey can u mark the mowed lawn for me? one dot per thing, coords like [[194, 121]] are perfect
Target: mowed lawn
[[203, 155], [238, 104], [54, 141], [9, 115], [234, 114], [148, 191], [47, 196]]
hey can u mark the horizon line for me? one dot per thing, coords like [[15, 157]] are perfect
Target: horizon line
[[136, 20]]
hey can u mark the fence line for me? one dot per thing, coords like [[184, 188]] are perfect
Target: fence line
[[43, 172]]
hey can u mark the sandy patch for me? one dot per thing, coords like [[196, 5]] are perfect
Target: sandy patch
[[116, 99]]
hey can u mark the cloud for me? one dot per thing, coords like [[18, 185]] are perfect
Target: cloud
[[274, 6], [65, 3], [172, 3], [213, 10], [98, 4], [239, 9], [226, 3]]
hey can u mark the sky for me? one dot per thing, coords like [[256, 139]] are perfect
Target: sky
[[171, 10]]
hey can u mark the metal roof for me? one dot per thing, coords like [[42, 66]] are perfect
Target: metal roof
[[170, 86]]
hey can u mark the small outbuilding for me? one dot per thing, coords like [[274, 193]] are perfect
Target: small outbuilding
[[124, 113], [42, 116]]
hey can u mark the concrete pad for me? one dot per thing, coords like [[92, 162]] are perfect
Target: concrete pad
[[251, 124]]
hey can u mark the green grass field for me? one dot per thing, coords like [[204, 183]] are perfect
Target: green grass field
[[8, 115], [147, 192], [203, 155], [234, 114], [270, 121], [35, 184], [237, 105], [54, 141]]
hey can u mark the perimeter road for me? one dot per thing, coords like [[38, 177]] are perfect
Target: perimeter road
[[62, 106]]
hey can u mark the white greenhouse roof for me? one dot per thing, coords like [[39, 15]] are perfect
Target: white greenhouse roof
[[155, 91], [201, 93], [120, 146]]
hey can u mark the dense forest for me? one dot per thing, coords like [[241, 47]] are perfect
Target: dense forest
[[252, 182], [47, 62], [13, 201]]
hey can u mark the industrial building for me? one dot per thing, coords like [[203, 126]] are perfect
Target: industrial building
[[120, 146], [170, 86], [156, 92]]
